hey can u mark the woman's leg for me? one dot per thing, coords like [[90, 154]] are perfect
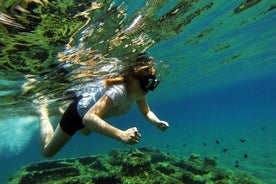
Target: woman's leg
[[50, 142]]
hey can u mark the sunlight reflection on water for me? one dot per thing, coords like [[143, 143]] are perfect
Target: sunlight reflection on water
[[15, 138]]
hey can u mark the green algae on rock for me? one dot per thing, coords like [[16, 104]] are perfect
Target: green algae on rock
[[136, 166], [42, 31]]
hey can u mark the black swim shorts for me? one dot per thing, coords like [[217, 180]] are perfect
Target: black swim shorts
[[71, 121]]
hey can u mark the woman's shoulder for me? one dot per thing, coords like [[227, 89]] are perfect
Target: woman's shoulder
[[117, 88], [117, 92], [98, 89]]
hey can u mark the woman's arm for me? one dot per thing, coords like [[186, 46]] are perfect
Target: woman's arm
[[92, 120], [150, 116]]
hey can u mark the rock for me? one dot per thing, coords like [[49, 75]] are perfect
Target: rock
[[137, 166], [210, 161], [136, 162]]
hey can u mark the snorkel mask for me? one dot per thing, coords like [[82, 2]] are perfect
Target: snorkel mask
[[144, 71], [148, 82]]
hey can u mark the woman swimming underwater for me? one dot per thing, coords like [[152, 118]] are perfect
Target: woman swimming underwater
[[89, 111]]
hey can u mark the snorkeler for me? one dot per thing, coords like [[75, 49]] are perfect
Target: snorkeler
[[113, 97]]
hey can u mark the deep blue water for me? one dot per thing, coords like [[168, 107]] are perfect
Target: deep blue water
[[219, 87], [243, 110]]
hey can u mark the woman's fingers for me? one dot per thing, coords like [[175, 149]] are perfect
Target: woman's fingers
[[135, 132], [135, 135], [163, 125]]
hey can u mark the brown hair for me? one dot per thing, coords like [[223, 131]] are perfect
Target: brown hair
[[114, 80], [136, 70]]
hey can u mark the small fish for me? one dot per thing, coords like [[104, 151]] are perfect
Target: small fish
[[237, 163], [225, 150], [242, 140], [245, 155], [217, 141], [204, 144]]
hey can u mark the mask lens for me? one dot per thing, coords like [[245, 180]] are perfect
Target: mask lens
[[148, 83], [153, 83]]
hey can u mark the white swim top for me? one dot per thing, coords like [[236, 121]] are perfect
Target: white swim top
[[117, 93]]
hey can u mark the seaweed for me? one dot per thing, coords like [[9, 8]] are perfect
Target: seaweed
[[136, 166]]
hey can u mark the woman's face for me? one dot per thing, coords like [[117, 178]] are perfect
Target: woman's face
[[148, 83], [144, 79]]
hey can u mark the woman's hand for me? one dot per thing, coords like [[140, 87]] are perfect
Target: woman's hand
[[162, 125], [130, 136]]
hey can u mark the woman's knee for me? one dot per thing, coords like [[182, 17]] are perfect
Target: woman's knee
[[58, 140]]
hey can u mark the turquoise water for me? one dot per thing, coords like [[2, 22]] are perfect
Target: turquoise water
[[218, 88]]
